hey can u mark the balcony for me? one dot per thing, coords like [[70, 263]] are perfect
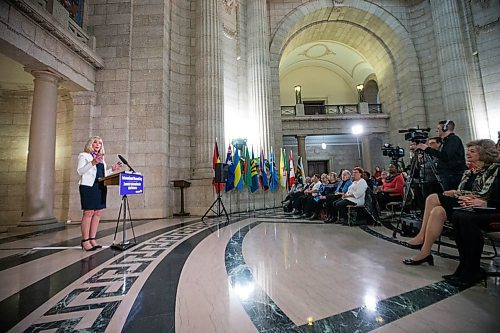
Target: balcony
[[330, 110], [65, 26], [332, 119]]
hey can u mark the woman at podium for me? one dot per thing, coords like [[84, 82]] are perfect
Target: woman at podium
[[91, 167]]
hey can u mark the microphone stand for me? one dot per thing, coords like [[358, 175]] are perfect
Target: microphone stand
[[125, 244]]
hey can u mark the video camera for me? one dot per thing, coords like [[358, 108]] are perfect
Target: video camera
[[416, 135], [395, 153]]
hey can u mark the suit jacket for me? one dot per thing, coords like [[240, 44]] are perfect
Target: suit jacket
[[87, 171]]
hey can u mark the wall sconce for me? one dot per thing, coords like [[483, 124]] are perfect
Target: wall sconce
[[361, 96], [298, 95]]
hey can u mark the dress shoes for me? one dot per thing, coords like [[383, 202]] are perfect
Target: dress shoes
[[414, 246], [429, 259], [297, 212], [330, 220], [451, 277], [313, 217]]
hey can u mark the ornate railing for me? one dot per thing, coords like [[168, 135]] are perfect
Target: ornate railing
[[334, 109], [375, 108]]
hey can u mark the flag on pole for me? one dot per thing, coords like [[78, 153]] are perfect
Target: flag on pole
[[215, 160], [273, 184], [255, 174], [230, 173], [264, 182], [238, 180], [300, 171], [291, 178], [282, 177], [247, 169]]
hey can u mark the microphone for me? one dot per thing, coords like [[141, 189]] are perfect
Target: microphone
[[124, 161]]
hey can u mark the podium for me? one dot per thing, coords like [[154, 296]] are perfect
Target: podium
[[182, 184], [129, 184]]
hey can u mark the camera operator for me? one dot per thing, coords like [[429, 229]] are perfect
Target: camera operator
[[451, 156], [430, 182]]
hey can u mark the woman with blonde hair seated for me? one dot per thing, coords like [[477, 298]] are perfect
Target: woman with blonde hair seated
[[477, 182]]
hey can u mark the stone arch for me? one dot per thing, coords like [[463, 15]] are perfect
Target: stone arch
[[380, 37]]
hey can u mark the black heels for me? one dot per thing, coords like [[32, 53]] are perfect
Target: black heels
[[414, 246], [429, 259], [83, 248], [96, 246]]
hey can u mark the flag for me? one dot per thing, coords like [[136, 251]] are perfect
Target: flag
[[215, 160], [291, 177], [282, 175], [255, 174], [300, 171], [247, 169], [264, 182], [273, 184], [238, 180], [230, 173]]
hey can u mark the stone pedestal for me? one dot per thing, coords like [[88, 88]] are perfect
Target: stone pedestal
[[363, 108], [299, 110]]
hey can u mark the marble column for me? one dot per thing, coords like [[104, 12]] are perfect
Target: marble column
[[39, 199], [301, 144], [259, 71], [209, 87], [453, 67], [366, 155]]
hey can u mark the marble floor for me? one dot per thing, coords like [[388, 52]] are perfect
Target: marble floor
[[258, 272]]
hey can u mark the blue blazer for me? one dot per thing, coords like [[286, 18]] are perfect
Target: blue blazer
[[345, 187]]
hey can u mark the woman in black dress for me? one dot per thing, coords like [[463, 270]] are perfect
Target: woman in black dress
[[477, 182], [91, 167]]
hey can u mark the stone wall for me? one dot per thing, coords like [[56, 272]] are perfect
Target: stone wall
[[15, 111]]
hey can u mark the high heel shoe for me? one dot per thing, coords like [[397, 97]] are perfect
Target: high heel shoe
[[414, 246], [97, 246], [429, 259], [83, 248]]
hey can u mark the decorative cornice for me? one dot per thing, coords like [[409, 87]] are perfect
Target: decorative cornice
[[229, 5]]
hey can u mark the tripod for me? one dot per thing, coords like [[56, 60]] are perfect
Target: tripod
[[125, 244], [217, 206], [427, 160]]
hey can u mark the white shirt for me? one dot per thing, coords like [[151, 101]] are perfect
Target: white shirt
[[358, 190]]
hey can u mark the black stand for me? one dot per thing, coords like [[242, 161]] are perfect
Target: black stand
[[125, 244], [426, 159], [220, 206], [181, 184]]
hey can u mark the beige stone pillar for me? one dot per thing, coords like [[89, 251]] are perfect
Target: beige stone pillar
[[209, 87], [366, 154], [259, 72], [301, 144], [39, 201], [453, 67]]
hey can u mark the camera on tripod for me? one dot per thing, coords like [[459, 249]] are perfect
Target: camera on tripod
[[395, 153], [416, 135]]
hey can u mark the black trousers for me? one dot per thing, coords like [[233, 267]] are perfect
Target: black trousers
[[469, 238], [330, 200], [340, 207], [384, 198]]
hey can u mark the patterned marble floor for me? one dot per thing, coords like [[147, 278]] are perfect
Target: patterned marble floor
[[259, 272]]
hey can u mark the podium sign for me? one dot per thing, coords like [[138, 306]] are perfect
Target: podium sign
[[131, 183]]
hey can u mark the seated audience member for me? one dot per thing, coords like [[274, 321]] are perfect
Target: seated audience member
[[312, 202], [297, 198], [468, 226], [342, 188], [476, 182], [295, 191], [355, 196], [312, 188], [392, 187], [377, 175], [371, 182]]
